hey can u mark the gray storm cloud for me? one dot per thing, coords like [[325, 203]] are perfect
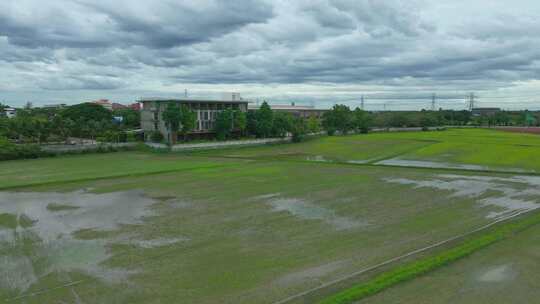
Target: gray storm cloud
[[126, 48]]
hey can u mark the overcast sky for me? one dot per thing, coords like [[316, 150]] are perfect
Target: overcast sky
[[321, 52]]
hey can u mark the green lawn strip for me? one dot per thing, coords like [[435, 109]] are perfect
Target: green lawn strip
[[104, 177], [371, 164], [414, 269]]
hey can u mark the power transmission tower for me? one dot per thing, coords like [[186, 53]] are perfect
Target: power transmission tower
[[362, 102], [471, 101], [433, 97]]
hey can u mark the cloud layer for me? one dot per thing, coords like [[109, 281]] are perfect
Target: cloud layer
[[320, 51]]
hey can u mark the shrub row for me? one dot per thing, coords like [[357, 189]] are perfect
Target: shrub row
[[10, 151], [422, 266]]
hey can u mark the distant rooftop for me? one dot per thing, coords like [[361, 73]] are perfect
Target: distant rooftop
[[286, 107], [484, 109], [191, 100]]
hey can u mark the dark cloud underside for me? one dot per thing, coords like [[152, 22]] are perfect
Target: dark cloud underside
[[248, 45]]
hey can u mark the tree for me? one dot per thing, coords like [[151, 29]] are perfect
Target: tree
[[427, 120], [4, 126], [62, 127], [339, 118], [86, 112], [188, 120], [172, 116], [224, 124], [3, 108], [281, 124], [251, 123], [399, 120], [131, 117], [93, 129], [265, 118], [42, 128], [240, 121], [313, 125], [502, 118], [361, 120], [299, 128]]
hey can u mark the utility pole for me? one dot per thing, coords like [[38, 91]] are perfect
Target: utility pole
[[362, 102], [185, 93], [471, 101], [433, 97]]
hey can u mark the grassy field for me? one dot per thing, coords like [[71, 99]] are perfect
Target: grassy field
[[91, 166], [479, 149], [506, 272], [140, 227], [492, 149], [352, 148]]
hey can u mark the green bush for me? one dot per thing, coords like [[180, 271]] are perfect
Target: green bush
[[131, 137], [10, 151], [156, 137], [122, 137]]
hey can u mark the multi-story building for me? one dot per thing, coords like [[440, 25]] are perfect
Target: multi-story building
[[298, 111], [10, 112], [485, 111], [104, 103], [206, 111]]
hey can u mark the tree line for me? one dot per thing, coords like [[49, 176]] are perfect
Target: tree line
[[86, 120]]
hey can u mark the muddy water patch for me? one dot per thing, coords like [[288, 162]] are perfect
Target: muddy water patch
[[308, 211], [155, 243], [318, 158], [265, 196], [16, 273], [508, 195], [497, 274], [441, 165], [54, 219], [427, 164], [361, 162]]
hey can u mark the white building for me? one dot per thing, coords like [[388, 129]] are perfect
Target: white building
[[10, 112]]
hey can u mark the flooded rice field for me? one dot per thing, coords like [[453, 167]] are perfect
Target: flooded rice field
[[441, 165], [48, 222], [505, 196], [308, 211]]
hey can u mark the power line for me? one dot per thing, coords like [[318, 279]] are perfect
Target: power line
[[471, 101]]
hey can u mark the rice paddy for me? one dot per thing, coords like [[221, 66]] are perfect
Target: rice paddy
[[258, 224]]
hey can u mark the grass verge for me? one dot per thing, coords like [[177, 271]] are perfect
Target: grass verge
[[104, 177], [414, 269]]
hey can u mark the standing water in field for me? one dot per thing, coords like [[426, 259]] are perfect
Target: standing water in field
[[508, 195], [308, 211], [47, 222]]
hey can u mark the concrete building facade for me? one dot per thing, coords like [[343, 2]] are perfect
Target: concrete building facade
[[298, 111], [206, 111], [10, 112], [485, 111]]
